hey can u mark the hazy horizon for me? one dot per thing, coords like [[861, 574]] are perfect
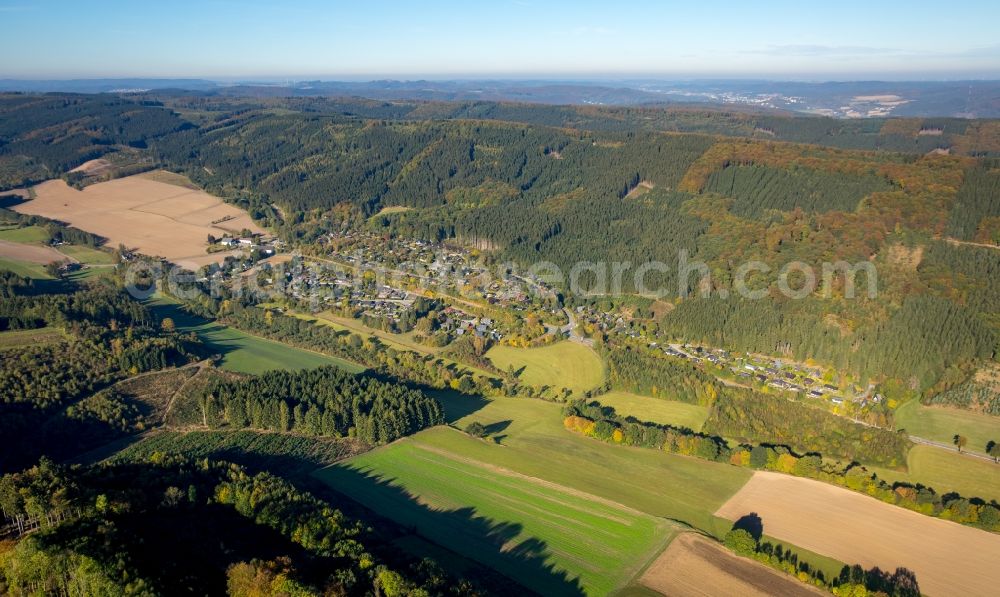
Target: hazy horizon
[[508, 39]]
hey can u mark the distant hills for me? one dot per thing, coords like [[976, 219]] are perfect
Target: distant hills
[[851, 99]]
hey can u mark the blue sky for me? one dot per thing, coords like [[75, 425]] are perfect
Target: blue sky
[[501, 38]]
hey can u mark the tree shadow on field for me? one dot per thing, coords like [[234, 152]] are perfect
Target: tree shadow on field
[[496, 544], [494, 428], [752, 524], [455, 404]]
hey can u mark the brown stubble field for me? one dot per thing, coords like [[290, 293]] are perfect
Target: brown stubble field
[[694, 566], [948, 558], [31, 253], [152, 217]]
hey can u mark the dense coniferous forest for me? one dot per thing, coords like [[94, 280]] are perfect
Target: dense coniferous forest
[[324, 402], [976, 212], [916, 343], [757, 190]]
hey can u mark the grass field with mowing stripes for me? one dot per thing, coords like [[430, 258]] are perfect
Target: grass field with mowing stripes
[[550, 538]]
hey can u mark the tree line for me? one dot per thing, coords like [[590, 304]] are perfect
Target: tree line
[[603, 423]]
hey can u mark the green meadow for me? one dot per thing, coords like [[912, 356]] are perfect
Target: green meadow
[[946, 470], [442, 482], [551, 539], [85, 254], [29, 235], [243, 352], [941, 424], [656, 410], [563, 364]]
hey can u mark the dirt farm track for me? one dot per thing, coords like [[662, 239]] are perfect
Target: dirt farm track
[[154, 217], [948, 558]]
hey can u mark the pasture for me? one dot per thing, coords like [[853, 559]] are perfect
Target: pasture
[[941, 424], [656, 410], [346, 324], [947, 470], [156, 218], [527, 436], [27, 234], [243, 352], [88, 255], [28, 269], [526, 442], [948, 558], [553, 539], [563, 364]]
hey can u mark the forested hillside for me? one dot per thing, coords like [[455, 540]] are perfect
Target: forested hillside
[[569, 185], [85, 367], [168, 526]]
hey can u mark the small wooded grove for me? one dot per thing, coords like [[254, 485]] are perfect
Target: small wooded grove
[[167, 524], [322, 402], [852, 580], [748, 416], [603, 423], [651, 374]]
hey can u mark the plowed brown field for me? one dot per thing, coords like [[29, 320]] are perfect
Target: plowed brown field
[[694, 566], [948, 558]]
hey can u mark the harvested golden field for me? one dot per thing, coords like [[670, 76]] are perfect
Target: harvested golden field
[[153, 217], [948, 558], [694, 566]]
